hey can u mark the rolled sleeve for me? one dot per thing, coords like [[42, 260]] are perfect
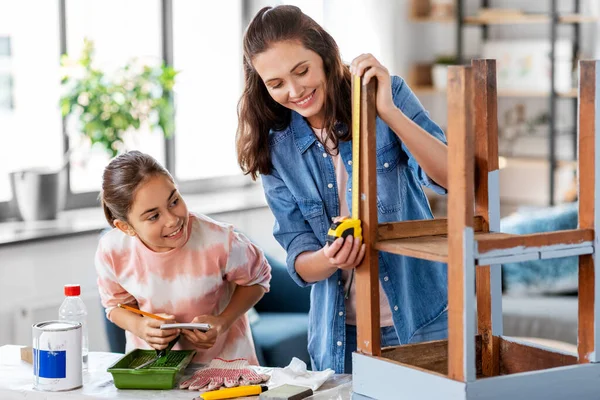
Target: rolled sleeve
[[299, 245], [290, 229], [410, 105]]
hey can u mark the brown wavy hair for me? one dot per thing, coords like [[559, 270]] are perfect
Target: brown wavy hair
[[120, 180], [258, 113]]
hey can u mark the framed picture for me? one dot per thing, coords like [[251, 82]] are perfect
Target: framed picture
[[526, 64]]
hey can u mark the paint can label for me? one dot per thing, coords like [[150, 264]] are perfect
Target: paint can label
[[57, 356]]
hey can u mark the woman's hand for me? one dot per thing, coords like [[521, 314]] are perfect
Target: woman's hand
[[368, 67], [149, 330], [345, 253], [206, 340]]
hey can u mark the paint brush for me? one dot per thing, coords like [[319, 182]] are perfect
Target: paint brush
[[144, 313]]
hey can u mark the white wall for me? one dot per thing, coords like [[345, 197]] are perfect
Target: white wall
[[32, 276]]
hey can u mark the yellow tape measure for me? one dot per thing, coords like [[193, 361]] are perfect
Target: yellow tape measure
[[351, 226]]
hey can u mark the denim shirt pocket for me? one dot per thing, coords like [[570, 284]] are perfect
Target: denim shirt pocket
[[313, 211], [390, 168]]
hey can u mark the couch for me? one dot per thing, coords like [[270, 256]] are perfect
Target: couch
[[281, 329], [540, 296]]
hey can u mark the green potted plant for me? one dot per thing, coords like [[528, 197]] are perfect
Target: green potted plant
[[108, 105], [439, 71]]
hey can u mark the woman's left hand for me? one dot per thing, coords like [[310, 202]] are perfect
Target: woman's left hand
[[367, 66], [205, 340]]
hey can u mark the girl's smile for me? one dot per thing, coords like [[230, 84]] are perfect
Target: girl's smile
[[158, 215]]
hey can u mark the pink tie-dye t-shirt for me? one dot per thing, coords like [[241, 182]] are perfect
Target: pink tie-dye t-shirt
[[198, 278]]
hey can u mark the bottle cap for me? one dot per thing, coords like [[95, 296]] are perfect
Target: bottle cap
[[72, 290]]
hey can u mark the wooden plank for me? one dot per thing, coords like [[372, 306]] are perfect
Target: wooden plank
[[461, 358], [577, 19], [498, 245], [513, 258], [519, 356], [490, 354], [489, 292], [584, 248], [507, 20], [367, 274], [589, 132], [434, 248], [424, 227], [571, 382], [576, 251], [430, 356], [485, 112], [382, 379]]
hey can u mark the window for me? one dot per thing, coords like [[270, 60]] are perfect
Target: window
[[30, 122], [6, 108], [207, 50], [206, 47], [134, 31]]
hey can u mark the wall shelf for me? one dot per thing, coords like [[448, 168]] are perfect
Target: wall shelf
[[428, 89], [528, 19], [427, 18], [487, 15]]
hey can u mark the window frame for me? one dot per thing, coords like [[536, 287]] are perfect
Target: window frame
[[8, 209]]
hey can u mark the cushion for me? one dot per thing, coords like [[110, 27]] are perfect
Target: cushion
[[285, 296], [557, 275], [551, 317]]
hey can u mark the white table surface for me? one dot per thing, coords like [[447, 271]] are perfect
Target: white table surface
[[16, 382]]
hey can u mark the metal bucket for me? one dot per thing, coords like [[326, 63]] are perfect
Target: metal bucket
[[57, 359], [40, 194]]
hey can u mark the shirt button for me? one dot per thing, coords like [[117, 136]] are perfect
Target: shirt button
[[385, 278], [386, 165], [341, 313], [339, 283], [330, 185], [349, 189], [395, 308], [320, 145], [349, 162], [339, 343], [324, 154]]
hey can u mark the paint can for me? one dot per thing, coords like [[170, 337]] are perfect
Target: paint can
[[57, 362]]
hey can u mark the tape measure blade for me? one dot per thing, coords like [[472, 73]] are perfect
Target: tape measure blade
[[356, 88]]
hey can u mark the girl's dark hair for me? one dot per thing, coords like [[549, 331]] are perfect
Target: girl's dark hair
[[120, 180], [258, 113]]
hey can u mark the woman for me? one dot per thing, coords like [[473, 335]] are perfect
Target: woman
[[294, 116]]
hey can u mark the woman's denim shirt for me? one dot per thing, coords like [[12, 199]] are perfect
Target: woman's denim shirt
[[302, 193]]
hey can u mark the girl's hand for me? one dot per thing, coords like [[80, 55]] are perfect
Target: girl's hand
[[368, 67], [345, 253], [149, 330], [205, 340]]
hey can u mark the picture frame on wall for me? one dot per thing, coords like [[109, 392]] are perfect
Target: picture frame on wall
[[525, 64]]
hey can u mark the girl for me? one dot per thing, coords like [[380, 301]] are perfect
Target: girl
[[294, 116], [164, 260]]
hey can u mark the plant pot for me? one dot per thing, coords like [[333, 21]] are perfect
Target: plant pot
[[439, 76], [39, 193]]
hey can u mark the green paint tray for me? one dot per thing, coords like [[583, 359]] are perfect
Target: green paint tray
[[164, 376]]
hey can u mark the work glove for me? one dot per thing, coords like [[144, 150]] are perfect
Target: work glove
[[228, 373]]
